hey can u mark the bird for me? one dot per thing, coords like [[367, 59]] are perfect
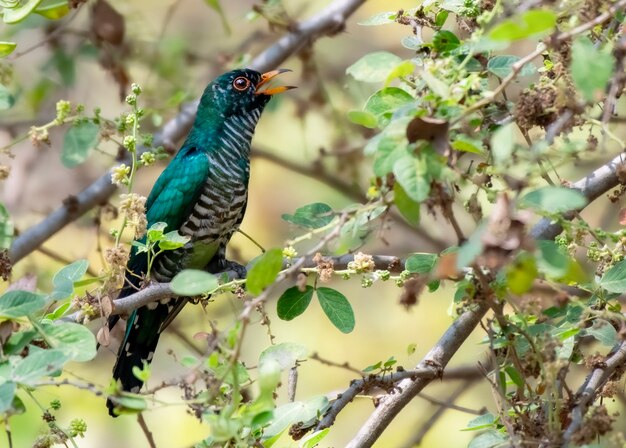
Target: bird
[[202, 194]]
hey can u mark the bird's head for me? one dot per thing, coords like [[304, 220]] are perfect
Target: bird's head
[[240, 92]]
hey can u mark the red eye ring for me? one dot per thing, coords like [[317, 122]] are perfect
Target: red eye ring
[[241, 83]]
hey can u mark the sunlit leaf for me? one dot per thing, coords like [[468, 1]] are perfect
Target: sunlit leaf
[[337, 308], [373, 67], [264, 271], [14, 304], [193, 282]]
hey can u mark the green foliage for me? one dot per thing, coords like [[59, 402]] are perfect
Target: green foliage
[[421, 263], [193, 282], [373, 67], [591, 68], [6, 48], [337, 308], [529, 24], [65, 278], [553, 199], [614, 280], [7, 100], [311, 216], [78, 141], [501, 66], [294, 302], [264, 271]]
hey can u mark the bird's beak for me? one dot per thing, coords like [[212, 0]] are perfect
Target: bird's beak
[[266, 77]]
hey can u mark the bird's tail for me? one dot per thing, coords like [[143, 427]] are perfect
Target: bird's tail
[[137, 348]]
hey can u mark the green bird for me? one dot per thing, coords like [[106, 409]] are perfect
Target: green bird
[[203, 194]]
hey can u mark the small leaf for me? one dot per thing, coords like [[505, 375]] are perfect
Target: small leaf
[[480, 422], [552, 259], [604, 332], [78, 142], [521, 274], [194, 282], [410, 172], [130, 405], [264, 271], [312, 216], [591, 68], [531, 23], [337, 308], [613, 280], [14, 304], [156, 230], [294, 302], [502, 66], [6, 48], [298, 411], [7, 392], [445, 41], [38, 364], [502, 144], [6, 98], [65, 278], [6, 228], [173, 240], [467, 144], [387, 100], [284, 354], [363, 118], [74, 340], [554, 199], [421, 263], [373, 67], [489, 439], [408, 208], [19, 13], [312, 440], [53, 10], [382, 18]]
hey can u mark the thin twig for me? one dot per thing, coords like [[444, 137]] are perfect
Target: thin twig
[[146, 431]]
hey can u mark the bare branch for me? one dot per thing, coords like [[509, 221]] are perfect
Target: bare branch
[[327, 22], [590, 389]]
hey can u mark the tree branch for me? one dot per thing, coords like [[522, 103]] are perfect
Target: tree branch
[[591, 186], [590, 389], [328, 22]]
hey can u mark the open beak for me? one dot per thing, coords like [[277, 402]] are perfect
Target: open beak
[[266, 77]]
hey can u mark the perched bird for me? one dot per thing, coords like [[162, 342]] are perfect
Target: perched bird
[[203, 194]]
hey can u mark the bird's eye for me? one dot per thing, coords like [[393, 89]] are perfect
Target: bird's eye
[[242, 83]]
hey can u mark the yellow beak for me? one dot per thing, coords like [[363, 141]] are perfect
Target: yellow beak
[[266, 77]]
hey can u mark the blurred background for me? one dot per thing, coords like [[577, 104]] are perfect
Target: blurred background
[[172, 48]]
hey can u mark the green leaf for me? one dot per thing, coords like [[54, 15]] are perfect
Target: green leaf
[[312, 216], [59, 312], [489, 439], [515, 376], [78, 142], [6, 98], [216, 5], [53, 9], [613, 280], [298, 411], [531, 23], [312, 440], [6, 48], [411, 172], [337, 308], [421, 263], [15, 15], [264, 271], [17, 341], [412, 42], [445, 41], [403, 69], [6, 228], [521, 274], [502, 66], [64, 279], [294, 302], [173, 240], [37, 365], [155, 232], [408, 208], [284, 355], [194, 282], [373, 67], [604, 332], [75, 341], [503, 144], [467, 144], [554, 199], [552, 259], [363, 118], [480, 422], [7, 392], [130, 405], [382, 18], [14, 304], [591, 68], [438, 87], [387, 100], [472, 248]]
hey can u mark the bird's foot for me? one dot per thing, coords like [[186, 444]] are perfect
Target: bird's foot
[[227, 266]]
